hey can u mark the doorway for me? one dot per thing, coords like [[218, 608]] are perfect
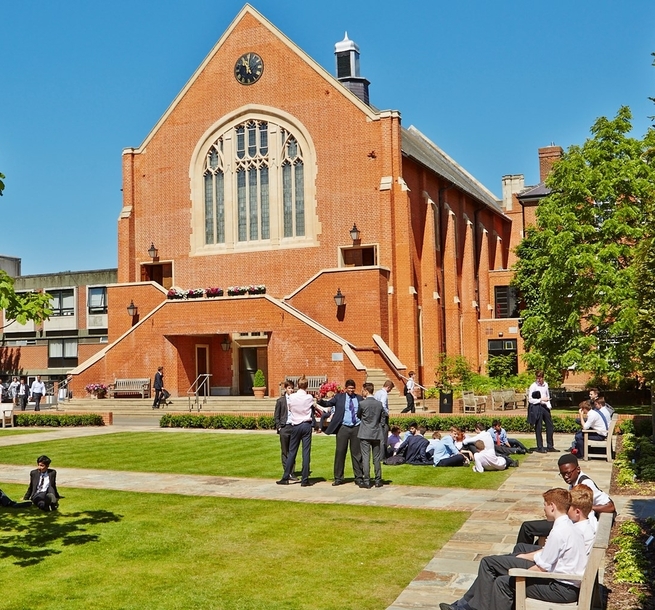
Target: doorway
[[251, 359], [202, 367]]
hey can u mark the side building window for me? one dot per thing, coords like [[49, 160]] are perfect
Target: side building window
[[255, 187], [63, 302], [506, 301], [97, 301], [62, 353]]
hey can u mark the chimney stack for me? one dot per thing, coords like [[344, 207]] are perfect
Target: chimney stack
[[347, 54], [548, 155]]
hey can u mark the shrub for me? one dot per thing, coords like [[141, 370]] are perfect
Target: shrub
[[631, 563], [218, 422], [259, 381], [59, 420], [515, 423]]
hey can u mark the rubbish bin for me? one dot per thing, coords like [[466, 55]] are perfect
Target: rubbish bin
[[445, 402]]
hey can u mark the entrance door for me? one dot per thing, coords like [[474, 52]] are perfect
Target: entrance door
[[202, 366], [247, 369]]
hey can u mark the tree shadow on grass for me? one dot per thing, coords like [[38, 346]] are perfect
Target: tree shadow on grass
[[29, 536]]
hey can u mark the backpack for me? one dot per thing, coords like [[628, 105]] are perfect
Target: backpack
[[405, 390]]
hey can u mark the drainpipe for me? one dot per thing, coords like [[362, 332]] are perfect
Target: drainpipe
[[440, 211]]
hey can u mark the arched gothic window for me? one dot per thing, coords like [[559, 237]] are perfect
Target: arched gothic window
[[254, 185]]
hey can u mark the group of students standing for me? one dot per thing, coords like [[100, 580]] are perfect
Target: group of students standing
[[359, 423], [21, 393]]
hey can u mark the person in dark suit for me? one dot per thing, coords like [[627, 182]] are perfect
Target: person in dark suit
[[414, 447], [371, 435], [283, 424], [158, 386], [43, 485], [22, 394], [345, 425]]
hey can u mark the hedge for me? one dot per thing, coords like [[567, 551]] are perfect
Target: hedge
[[56, 421], [266, 422], [214, 422]]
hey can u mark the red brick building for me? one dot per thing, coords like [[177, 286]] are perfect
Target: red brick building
[[255, 175]]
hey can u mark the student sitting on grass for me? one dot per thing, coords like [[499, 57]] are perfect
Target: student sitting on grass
[[485, 455], [43, 485], [413, 448], [393, 440], [7, 502], [502, 444], [444, 452]]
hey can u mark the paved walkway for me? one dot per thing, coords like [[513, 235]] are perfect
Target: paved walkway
[[491, 529]]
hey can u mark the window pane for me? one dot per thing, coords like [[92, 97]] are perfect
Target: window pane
[[300, 199], [252, 140], [252, 203], [263, 184], [98, 300], [209, 209], [287, 194], [220, 207], [70, 348], [241, 203], [263, 139], [241, 142], [55, 349]]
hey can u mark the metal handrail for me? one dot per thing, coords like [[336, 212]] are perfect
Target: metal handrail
[[201, 381]]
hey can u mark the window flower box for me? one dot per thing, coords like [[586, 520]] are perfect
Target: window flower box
[[235, 291], [260, 289], [213, 292]]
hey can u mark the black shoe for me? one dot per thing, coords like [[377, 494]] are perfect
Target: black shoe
[[541, 450], [364, 485], [513, 464], [283, 482], [443, 606], [379, 484], [337, 482], [305, 483], [552, 450]]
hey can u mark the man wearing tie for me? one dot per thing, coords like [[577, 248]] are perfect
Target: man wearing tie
[[345, 425], [43, 485], [370, 434], [283, 424]]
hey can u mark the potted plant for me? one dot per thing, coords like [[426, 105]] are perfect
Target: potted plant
[[97, 390], [214, 292], [259, 384], [450, 371], [235, 291]]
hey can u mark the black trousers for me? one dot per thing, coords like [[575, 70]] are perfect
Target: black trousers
[[347, 437], [579, 441], [158, 396], [22, 401], [300, 433], [453, 460], [410, 404], [493, 589], [285, 440], [45, 500], [367, 447], [544, 417], [37, 400], [530, 530]]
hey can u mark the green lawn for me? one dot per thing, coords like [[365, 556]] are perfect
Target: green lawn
[[15, 431], [107, 549], [223, 454]]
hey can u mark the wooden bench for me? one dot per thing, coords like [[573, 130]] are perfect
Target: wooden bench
[[503, 399], [314, 382], [520, 400], [606, 445], [130, 387], [590, 594], [472, 403]]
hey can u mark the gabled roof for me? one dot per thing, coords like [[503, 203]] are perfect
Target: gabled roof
[[420, 148], [534, 192], [249, 10]]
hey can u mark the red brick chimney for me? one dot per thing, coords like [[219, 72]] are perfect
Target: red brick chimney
[[547, 157]]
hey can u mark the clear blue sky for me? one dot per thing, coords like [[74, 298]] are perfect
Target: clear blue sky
[[489, 82]]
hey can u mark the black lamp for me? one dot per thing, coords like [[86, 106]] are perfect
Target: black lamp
[[225, 344], [132, 309], [152, 251], [354, 233], [339, 298]]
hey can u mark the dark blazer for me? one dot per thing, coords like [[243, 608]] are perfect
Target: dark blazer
[[159, 381], [281, 411], [35, 477], [338, 401], [414, 450], [371, 414]]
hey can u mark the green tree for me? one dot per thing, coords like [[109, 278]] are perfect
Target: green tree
[[576, 270], [21, 307]]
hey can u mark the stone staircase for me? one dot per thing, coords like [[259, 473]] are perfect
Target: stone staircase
[[397, 401]]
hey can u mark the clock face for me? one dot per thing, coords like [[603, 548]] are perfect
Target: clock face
[[249, 68]]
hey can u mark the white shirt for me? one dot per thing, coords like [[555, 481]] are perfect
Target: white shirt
[[300, 407], [44, 482], [607, 413], [543, 390], [564, 550], [600, 497], [383, 396], [38, 387], [410, 385], [595, 422], [588, 529], [485, 437]]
